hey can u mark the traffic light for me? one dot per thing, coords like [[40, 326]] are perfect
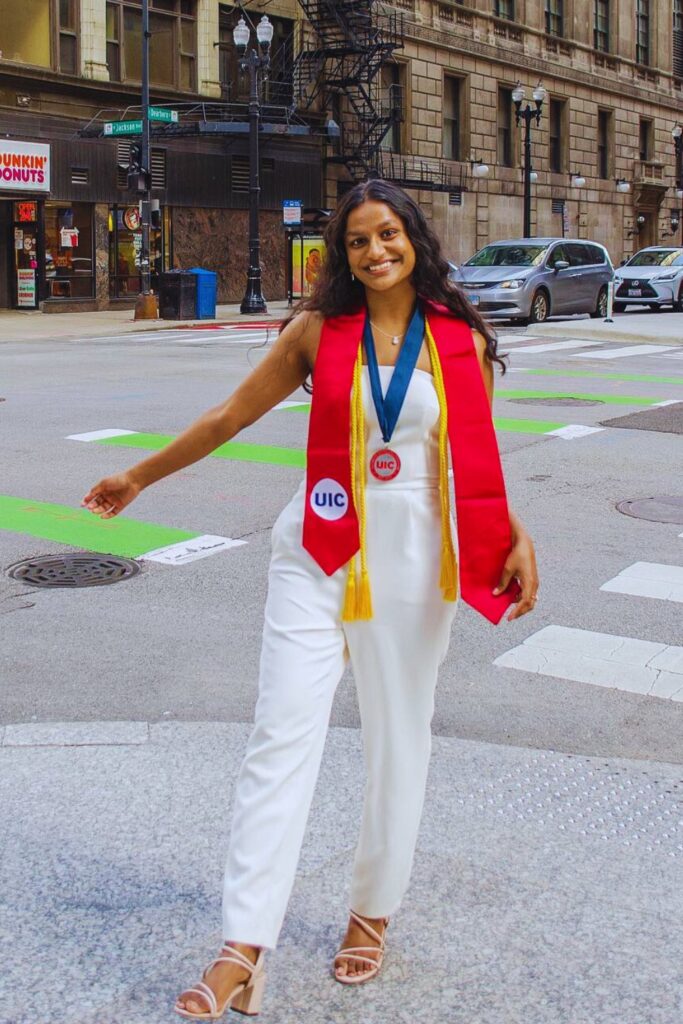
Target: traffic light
[[138, 176]]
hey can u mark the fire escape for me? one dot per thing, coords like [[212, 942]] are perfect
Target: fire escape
[[343, 55]]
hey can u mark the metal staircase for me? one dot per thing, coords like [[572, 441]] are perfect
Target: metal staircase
[[341, 52]]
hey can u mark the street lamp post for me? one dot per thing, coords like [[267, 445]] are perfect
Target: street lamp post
[[255, 62], [146, 303], [527, 115], [677, 136]]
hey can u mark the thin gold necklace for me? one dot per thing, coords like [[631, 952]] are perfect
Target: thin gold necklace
[[395, 338]]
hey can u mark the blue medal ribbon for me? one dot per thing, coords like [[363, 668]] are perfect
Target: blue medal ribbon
[[388, 408]]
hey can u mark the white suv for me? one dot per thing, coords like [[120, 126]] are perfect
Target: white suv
[[653, 277]]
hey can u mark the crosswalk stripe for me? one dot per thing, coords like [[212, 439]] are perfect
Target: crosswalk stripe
[[558, 346], [234, 450], [623, 353], [600, 659], [649, 579], [574, 430], [129, 538], [100, 435]]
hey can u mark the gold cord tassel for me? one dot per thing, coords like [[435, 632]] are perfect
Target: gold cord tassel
[[357, 597], [448, 577]]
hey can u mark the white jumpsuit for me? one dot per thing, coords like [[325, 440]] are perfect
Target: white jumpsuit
[[395, 658]]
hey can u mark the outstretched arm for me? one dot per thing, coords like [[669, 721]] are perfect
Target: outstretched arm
[[283, 370]]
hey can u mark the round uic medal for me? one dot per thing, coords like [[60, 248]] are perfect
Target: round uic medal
[[385, 464]]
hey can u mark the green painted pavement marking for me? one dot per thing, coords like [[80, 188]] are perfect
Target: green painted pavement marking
[[525, 426], [232, 450], [608, 399], [82, 529], [604, 376], [304, 407]]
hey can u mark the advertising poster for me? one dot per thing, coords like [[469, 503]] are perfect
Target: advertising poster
[[26, 287], [307, 259]]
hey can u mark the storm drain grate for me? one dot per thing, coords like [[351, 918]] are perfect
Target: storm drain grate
[[73, 570], [556, 401], [661, 509]]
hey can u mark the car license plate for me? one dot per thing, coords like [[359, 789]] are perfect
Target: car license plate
[[474, 299], [636, 292]]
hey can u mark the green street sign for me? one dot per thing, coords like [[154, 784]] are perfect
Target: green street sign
[[162, 114], [123, 128]]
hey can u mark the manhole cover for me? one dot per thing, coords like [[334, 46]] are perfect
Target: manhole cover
[[556, 401], [73, 570], [661, 509]]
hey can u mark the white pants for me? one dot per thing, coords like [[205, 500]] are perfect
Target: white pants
[[394, 657]]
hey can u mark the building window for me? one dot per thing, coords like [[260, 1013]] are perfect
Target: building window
[[452, 118], [601, 26], [40, 32], [554, 17], [678, 39], [645, 139], [556, 111], [172, 46], [235, 84], [504, 126], [604, 143], [504, 9], [393, 105], [69, 266], [642, 31]]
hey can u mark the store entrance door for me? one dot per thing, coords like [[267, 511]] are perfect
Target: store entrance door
[[25, 248]]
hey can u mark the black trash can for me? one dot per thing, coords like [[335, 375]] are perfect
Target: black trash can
[[178, 295]]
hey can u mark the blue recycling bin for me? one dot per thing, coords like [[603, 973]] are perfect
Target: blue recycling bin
[[206, 293]]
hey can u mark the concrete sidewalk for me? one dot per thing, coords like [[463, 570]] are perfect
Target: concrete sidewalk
[[546, 887], [650, 328], [17, 325]]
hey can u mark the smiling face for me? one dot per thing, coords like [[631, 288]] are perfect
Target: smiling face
[[380, 254]]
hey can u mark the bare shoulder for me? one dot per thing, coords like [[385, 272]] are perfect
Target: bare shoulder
[[303, 334]]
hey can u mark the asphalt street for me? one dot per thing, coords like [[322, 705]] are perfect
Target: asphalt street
[[180, 642]]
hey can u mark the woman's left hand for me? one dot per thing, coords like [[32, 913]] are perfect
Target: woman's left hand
[[520, 563]]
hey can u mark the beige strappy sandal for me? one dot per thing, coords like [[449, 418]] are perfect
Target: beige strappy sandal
[[359, 953], [245, 997]]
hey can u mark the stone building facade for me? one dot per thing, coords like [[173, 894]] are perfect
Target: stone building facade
[[602, 154]]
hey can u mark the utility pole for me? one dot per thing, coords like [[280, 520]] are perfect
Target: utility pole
[[146, 303]]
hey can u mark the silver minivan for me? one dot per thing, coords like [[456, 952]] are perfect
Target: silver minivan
[[530, 279]]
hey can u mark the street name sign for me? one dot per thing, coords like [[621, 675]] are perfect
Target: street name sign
[[162, 114], [123, 128]]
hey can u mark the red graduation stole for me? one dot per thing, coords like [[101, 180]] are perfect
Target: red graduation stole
[[331, 531]]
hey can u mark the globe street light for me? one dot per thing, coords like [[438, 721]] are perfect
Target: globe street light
[[255, 63], [527, 115]]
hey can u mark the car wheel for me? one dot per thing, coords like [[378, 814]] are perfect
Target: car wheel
[[540, 307], [600, 311], [678, 304], [618, 307]]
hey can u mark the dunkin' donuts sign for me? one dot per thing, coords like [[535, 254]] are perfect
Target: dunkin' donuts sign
[[24, 166]]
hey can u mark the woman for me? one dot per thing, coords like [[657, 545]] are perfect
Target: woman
[[363, 566]]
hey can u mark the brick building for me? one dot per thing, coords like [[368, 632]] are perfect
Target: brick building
[[420, 90]]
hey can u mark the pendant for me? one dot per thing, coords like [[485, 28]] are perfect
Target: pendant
[[395, 339], [385, 464]]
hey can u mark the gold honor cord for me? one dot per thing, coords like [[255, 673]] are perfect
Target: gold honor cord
[[448, 580]]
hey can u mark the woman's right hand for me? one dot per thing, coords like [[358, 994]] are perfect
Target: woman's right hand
[[111, 495]]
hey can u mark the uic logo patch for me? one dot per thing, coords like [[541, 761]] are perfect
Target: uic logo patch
[[329, 500], [385, 464]]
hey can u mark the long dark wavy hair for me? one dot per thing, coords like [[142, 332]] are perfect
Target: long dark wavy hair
[[335, 292]]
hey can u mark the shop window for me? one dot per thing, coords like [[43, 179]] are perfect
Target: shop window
[[125, 246], [40, 32], [69, 257], [173, 42]]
